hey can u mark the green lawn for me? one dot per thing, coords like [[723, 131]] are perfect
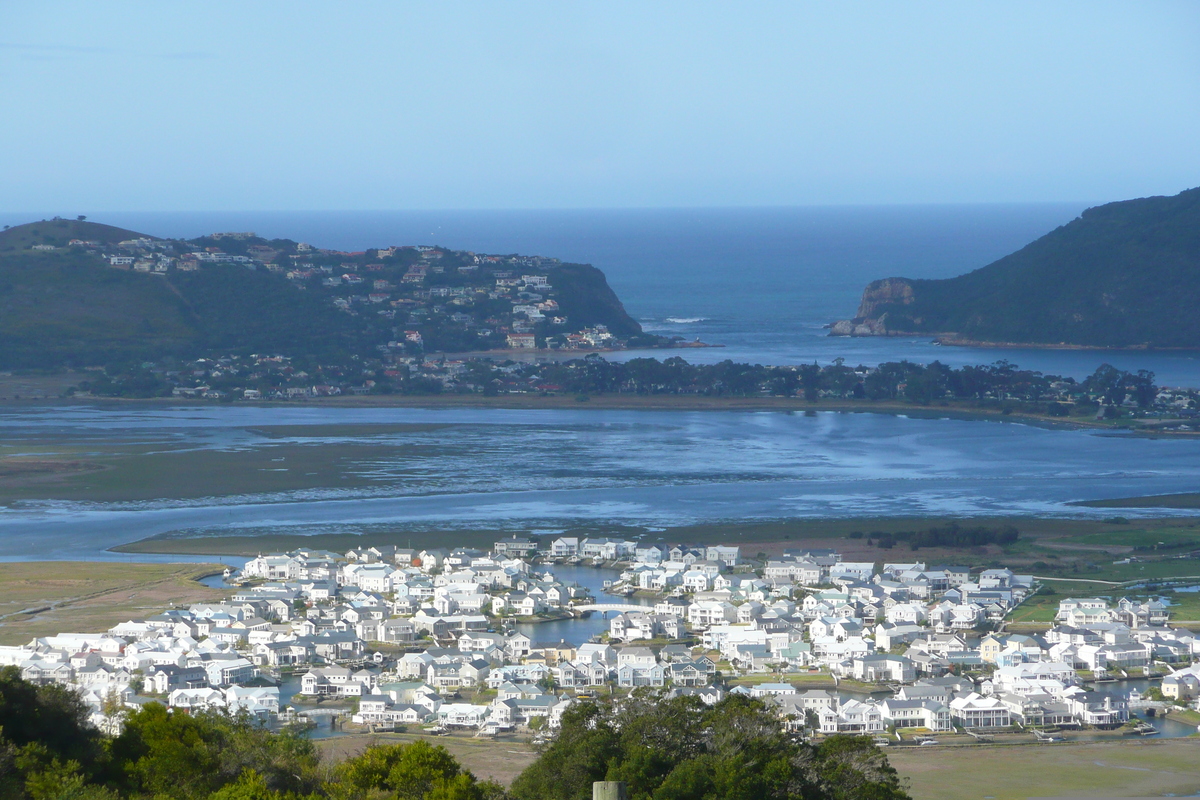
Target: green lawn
[[1040, 608], [1111, 769]]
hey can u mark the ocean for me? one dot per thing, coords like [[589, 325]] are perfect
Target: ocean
[[762, 282]]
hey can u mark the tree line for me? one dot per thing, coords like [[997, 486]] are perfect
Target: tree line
[[952, 535], [900, 380]]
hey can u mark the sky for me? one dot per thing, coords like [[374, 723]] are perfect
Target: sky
[[217, 106]]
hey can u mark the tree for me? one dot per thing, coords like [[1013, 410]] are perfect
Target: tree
[[416, 771], [185, 757], [112, 708], [44, 731], [680, 749]]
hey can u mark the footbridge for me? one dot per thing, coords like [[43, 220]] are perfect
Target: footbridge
[[606, 607]]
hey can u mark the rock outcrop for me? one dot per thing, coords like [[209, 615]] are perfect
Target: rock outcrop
[[889, 292]]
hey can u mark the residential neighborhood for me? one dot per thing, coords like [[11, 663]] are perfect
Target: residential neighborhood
[[389, 637]]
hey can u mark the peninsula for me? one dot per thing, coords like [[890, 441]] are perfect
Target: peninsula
[[1121, 275], [78, 294]]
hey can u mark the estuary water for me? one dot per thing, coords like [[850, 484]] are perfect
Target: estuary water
[[551, 469]]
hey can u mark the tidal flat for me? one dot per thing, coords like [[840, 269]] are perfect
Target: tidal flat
[[103, 472]]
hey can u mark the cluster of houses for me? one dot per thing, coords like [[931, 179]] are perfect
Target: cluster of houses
[[408, 636], [416, 286]]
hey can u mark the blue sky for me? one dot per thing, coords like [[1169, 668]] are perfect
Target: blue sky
[[394, 105]]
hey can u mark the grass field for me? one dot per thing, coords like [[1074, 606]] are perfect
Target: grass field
[[1117, 769], [40, 598], [766, 538], [500, 760], [804, 681], [1041, 608]]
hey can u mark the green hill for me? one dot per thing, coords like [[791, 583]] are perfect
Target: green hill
[[78, 293], [1124, 274], [70, 307], [58, 232]]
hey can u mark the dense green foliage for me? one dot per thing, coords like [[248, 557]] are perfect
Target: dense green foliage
[[44, 737], [952, 535], [1122, 274], [48, 752], [237, 310], [63, 308], [680, 749], [58, 232]]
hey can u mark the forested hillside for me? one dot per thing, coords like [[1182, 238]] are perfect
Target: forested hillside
[[1124, 274]]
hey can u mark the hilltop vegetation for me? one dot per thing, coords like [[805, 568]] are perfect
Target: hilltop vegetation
[[1124, 274], [77, 293], [58, 232]]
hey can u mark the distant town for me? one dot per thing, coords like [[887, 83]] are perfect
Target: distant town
[[387, 638], [460, 299]]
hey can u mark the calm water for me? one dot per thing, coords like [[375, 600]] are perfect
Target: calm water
[[551, 469], [578, 631], [763, 282]]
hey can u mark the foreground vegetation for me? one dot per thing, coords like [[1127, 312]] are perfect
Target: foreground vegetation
[[662, 749]]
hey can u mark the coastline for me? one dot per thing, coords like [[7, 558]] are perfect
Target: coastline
[[517, 354], [951, 339]]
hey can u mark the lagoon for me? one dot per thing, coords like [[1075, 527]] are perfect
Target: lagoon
[[550, 469]]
